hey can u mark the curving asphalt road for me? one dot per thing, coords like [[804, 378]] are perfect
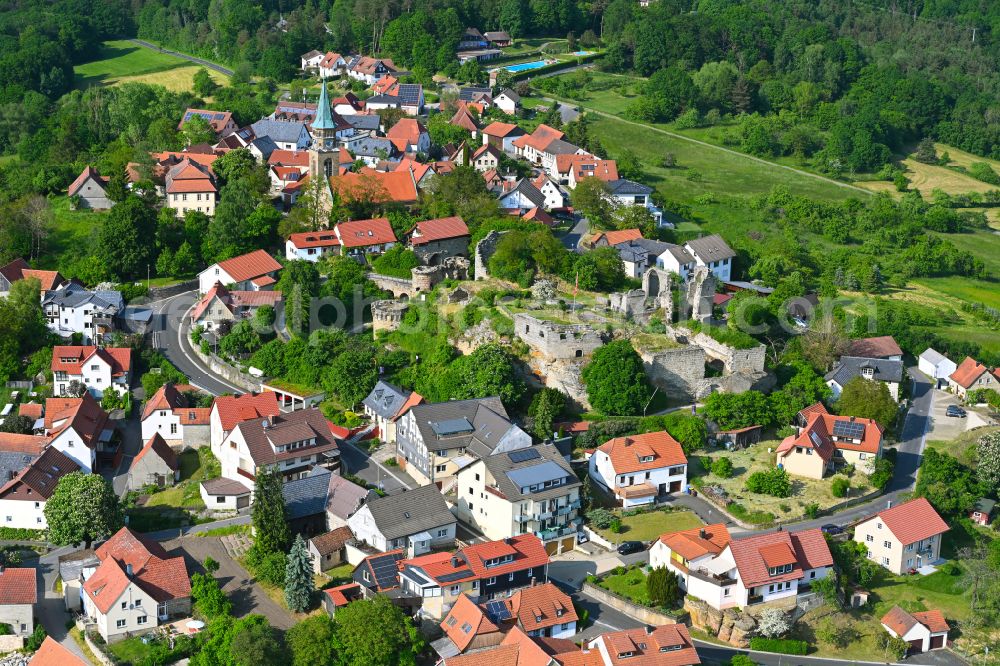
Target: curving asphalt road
[[200, 61]]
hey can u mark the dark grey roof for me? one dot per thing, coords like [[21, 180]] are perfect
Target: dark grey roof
[[74, 296], [512, 476], [389, 100], [386, 399], [306, 496], [710, 248], [12, 462], [514, 97], [678, 252], [343, 497], [985, 505], [409, 93], [626, 186], [223, 486], [632, 253], [850, 367], [71, 566], [654, 247], [265, 145], [369, 146], [467, 94], [364, 122], [560, 147], [278, 130], [410, 512], [486, 415]]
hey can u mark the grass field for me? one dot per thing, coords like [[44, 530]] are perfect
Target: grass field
[[648, 526], [122, 61], [959, 447], [631, 585], [804, 491], [196, 466]]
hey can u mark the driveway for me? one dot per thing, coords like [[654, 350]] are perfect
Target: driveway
[[571, 239], [247, 596], [944, 427]]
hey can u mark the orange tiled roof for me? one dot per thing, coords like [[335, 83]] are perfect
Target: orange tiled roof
[[900, 621], [619, 236], [968, 372], [71, 359], [289, 158], [232, 410], [52, 653], [33, 410], [666, 645], [626, 453], [932, 619], [465, 621], [750, 554], [18, 586], [325, 238], [84, 415], [912, 521], [250, 265], [160, 576], [158, 446], [499, 129], [541, 606], [362, 233], [438, 229], [698, 542], [883, 346], [376, 186]]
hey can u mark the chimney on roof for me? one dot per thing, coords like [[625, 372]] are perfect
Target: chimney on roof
[[702, 533], [508, 540], [888, 504], [649, 630], [534, 581], [128, 570]]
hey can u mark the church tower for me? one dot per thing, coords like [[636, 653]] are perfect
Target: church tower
[[323, 152]]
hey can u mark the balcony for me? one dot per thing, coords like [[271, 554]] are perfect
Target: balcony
[[755, 599], [548, 535]]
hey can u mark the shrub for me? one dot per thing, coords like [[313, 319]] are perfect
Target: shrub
[[34, 641], [892, 645], [722, 468], [839, 486], [784, 507], [774, 482], [756, 517], [616, 526], [882, 474], [779, 645], [812, 510], [601, 518], [741, 660], [267, 567]]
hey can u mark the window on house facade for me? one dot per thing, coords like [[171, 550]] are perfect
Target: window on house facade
[[885, 561], [120, 624], [887, 544]]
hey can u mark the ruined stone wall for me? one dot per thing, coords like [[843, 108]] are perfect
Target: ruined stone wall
[[435, 252], [677, 371], [484, 250], [556, 341], [735, 360], [387, 315]]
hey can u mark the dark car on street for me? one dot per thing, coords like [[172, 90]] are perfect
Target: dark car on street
[[832, 530], [629, 547]]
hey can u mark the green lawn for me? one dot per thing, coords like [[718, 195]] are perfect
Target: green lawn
[[339, 574], [960, 446], [121, 58], [73, 233], [648, 526], [196, 466], [631, 585]]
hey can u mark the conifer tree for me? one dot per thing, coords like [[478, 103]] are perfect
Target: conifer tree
[[299, 584]]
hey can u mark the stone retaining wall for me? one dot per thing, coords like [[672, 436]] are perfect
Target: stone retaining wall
[[159, 293], [225, 370], [676, 371], [623, 605]]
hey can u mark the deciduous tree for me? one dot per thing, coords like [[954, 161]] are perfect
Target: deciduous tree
[[615, 380], [374, 632], [868, 399], [83, 508]]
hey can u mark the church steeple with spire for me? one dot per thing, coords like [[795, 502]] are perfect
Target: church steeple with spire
[[323, 157]]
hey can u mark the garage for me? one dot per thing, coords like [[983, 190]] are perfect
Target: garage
[[937, 641], [916, 646]]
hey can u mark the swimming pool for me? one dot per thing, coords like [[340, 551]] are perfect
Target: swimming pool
[[525, 66], [582, 53]]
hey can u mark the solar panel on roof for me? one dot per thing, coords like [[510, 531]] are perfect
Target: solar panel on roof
[[384, 569], [815, 439], [497, 611], [220, 116], [849, 429], [521, 455]]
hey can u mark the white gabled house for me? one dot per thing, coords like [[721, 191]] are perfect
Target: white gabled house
[[167, 414], [79, 428], [73, 309], [98, 369], [23, 498], [253, 271], [414, 520], [639, 468], [312, 245]]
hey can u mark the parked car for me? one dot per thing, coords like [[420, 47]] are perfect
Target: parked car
[[582, 537], [832, 530], [629, 547], [955, 410]]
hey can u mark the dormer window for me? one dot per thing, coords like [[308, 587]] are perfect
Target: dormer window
[[625, 655], [646, 459], [783, 569], [670, 648]]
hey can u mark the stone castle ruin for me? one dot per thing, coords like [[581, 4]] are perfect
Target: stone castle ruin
[[423, 279], [387, 315]]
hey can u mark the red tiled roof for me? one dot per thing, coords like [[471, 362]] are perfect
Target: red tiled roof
[[542, 137], [33, 410], [52, 653], [465, 621], [159, 447], [499, 129], [376, 186], [463, 118], [619, 236], [932, 619], [698, 542], [332, 541], [362, 233], [413, 400], [18, 586], [343, 594], [968, 372], [71, 359], [438, 229], [881, 347], [19, 269], [666, 645], [817, 408], [250, 265], [529, 553], [419, 169], [84, 415], [87, 173], [541, 606], [822, 425], [536, 214], [167, 397], [750, 554], [160, 576], [17, 443], [626, 453], [262, 281], [405, 132], [232, 410], [912, 521], [289, 158]]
